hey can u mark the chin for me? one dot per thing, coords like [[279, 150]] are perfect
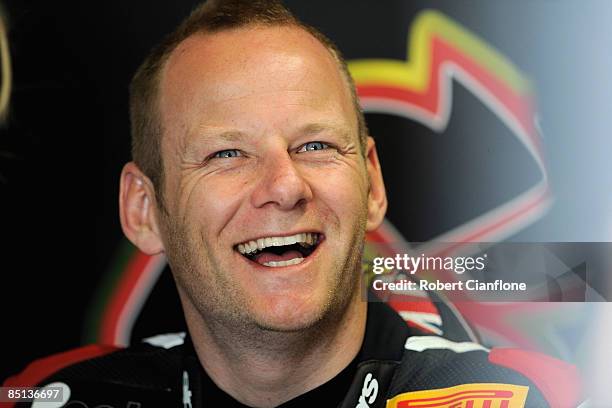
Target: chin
[[286, 313]]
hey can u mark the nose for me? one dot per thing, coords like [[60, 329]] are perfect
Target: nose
[[281, 184]]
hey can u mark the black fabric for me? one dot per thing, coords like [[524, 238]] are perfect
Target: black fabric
[[384, 339], [144, 366], [330, 394], [154, 376], [145, 375]]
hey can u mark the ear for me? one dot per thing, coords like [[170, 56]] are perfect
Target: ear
[[137, 210], [377, 196]]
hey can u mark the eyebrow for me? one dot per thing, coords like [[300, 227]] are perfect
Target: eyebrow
[[228, 135], [209, 133], [313, 128]]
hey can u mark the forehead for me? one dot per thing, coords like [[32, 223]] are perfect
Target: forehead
[[284, 64]]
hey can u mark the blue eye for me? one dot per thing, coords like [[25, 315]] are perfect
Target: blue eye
[[312, 146], [226, 154]]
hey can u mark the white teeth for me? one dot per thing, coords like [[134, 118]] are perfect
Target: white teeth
[[280, 241], [293, 261], [305, 239]]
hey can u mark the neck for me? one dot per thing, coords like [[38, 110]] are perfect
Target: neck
[[270, 367]]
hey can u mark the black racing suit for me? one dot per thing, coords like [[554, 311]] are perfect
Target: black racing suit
[[395, 361]]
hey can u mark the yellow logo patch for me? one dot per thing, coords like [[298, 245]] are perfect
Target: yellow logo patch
[[486, 395]]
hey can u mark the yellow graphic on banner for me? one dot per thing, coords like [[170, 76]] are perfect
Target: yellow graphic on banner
[[485, 395], [414, 73]]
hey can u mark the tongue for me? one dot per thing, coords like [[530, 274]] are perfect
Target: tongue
[[269, 256]]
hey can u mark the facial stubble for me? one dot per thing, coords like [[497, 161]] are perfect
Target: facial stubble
[[226, 310]]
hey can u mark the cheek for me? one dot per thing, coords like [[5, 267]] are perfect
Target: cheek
[[211, 203], [344, 192]]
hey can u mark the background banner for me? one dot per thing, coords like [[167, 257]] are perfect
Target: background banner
[[491, 120]]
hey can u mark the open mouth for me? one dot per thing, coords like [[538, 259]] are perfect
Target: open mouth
[[280, 251]]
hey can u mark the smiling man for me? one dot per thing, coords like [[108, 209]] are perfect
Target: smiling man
[[254, 174], [265, 188], [266, 191]]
